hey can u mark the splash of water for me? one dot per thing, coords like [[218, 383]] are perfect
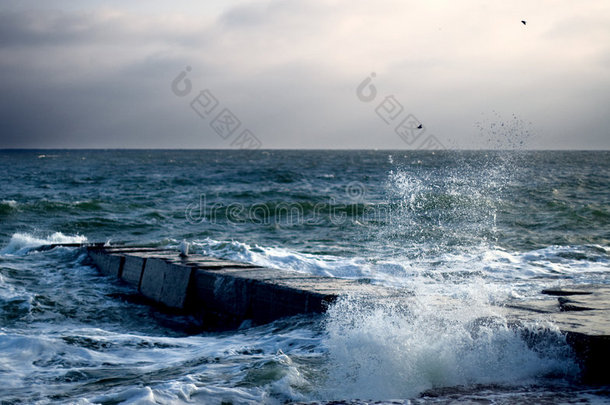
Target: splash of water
[[21, 243], [386, 350]]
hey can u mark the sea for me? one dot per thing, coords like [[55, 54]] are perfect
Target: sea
[[485, 228]]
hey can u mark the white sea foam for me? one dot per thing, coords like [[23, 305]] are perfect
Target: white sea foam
[[21, 243], [378, 352], [284, 258], [388, 351], [514, 273], [10, 203]]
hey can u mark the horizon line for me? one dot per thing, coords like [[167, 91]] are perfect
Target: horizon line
[[305, 149]]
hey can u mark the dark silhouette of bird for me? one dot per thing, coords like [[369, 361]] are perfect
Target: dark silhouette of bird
[[523, 22], [420, 126]]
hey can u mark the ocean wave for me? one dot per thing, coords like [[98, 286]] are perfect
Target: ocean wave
[[387, 351], [159, 369], [283, 258], [22, 243], [53, 205], [8, 206], [46, 207], [517, 273], [9, 203]]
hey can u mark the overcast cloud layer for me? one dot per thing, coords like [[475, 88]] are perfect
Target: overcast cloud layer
[[99, 75]]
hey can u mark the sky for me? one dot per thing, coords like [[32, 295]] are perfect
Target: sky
[[341, 74]]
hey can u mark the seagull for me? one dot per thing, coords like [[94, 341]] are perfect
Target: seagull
[[420, 126], [184, 248], [524, 22]]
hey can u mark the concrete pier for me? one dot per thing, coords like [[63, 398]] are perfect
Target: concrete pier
[[222, 294], [582, 313]]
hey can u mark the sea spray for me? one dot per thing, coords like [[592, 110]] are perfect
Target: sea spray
[[437, 208], [385, 350]]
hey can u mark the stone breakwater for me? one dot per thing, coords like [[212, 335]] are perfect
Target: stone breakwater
[[223, 294]]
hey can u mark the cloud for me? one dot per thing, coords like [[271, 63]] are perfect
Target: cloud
[[101, 77]]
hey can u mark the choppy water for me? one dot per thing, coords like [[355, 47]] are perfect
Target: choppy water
[[485, 228]]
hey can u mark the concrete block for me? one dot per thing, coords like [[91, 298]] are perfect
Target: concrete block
[[165, 282], [213, 263], [240, 294], [159, 254], [107, 264], [221, 293], [124, 249], [274, 301], [593, 354], [133, 269]]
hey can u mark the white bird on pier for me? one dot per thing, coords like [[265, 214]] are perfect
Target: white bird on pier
[[184, 248]]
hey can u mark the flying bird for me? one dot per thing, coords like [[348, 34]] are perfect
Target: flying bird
[[420, 126], [523, 22]]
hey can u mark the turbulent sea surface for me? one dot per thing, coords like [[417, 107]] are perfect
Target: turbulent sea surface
[[485, 228]]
